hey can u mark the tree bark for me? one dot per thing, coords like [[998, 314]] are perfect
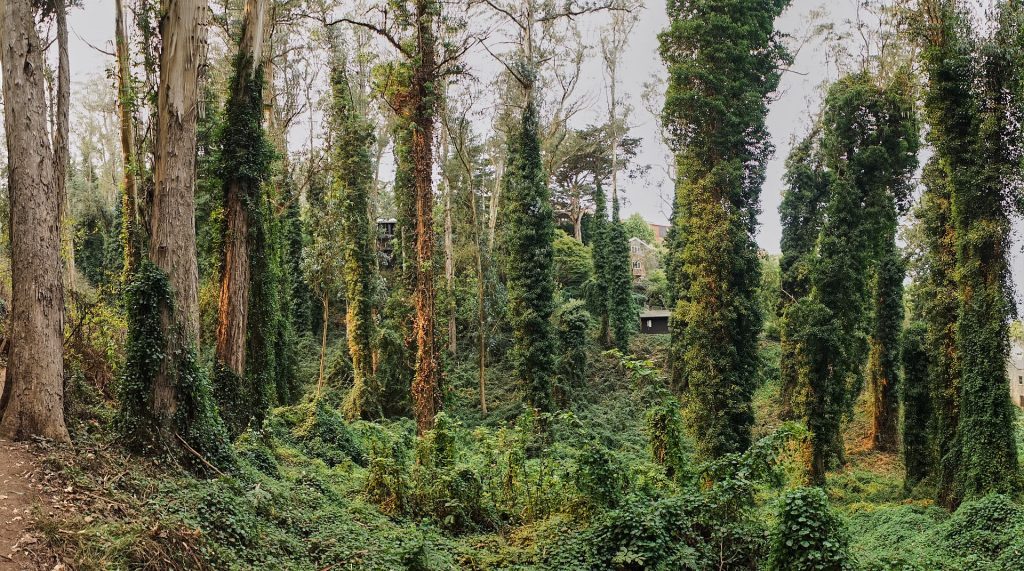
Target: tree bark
[[60, 137], [34, 389], [130, 212], [233, 309], [426, 390], [449, 256], [172, 246]]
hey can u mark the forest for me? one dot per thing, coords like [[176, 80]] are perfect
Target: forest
[[315, 285]]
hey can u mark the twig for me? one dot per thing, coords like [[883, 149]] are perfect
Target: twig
[[198, 455]]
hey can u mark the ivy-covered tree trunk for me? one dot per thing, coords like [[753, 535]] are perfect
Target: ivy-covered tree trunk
[[884, 355], [245, 166], [622, 309], [870, 141], [599, 231], [807, 187], [529, 256], [426, 384], [917, 405], [968, 99], [32, 400], [353, 173], [939, 295], [166, 400], [979, 208], [723, 58], [133, 233]]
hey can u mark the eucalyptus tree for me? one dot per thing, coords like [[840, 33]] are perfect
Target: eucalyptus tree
[[801, 212], [245, 157], [529, 219], [32, 399], [970, 103], [869, 145], [724, 59]]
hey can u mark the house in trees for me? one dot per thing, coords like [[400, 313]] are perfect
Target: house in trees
[[386, 228], [1015, 372], [660, 232], [643, 258], [655, 321]]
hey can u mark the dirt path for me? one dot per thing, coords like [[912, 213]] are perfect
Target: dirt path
[[19, 492]]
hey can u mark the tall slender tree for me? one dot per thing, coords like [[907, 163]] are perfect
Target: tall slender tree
[[245, 156], [870, 147], [32, 402], [801, 211], [622, 308], [529, 259], [969, 96], [723, 58], [351, 139], [166, 401]]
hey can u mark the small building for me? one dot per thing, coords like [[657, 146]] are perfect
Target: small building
[[660, 232], [386, 228], [654, 321], [642, 257], [1015, 372]]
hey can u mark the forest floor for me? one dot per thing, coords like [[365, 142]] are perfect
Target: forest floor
[[21, 493]]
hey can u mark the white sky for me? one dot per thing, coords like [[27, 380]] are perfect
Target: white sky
[[799, 94]]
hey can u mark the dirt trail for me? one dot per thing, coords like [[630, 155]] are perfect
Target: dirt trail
[[19, 492]]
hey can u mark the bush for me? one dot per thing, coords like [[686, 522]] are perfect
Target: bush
[[808, 536]]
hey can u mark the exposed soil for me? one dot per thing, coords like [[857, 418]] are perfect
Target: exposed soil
[[21, 492]]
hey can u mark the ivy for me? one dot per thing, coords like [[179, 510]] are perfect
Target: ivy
[[196, 434]]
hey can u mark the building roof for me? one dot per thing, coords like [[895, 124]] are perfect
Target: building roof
[[655, 313]]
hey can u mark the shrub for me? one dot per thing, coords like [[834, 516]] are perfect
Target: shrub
[[808, 536]]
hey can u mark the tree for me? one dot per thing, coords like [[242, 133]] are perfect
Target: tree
[[870, 148], [623, 312], [884, 354], [916, 396], [938, 294], [245, 156], [166, 401], [715, 108], [32, 403], [530, 231], [801, 211], [600, 235], [968, 102], [353, 175], [637, 227]]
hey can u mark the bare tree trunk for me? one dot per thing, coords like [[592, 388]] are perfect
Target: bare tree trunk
[[131, 215], [449, 255], [426, 390], [172, 246], [233, 309], [60, 138], [34, 389]]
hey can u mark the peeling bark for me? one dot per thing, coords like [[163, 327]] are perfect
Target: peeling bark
[[34, 389]]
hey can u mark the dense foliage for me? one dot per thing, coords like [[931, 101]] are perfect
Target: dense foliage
[[715, 108]]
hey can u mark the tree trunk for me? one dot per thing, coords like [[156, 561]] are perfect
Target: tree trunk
[[233, 309], [449, 258], [131, 217], [34, 389], [323, 346], [172, 246], [426, 390], [60, 138]]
